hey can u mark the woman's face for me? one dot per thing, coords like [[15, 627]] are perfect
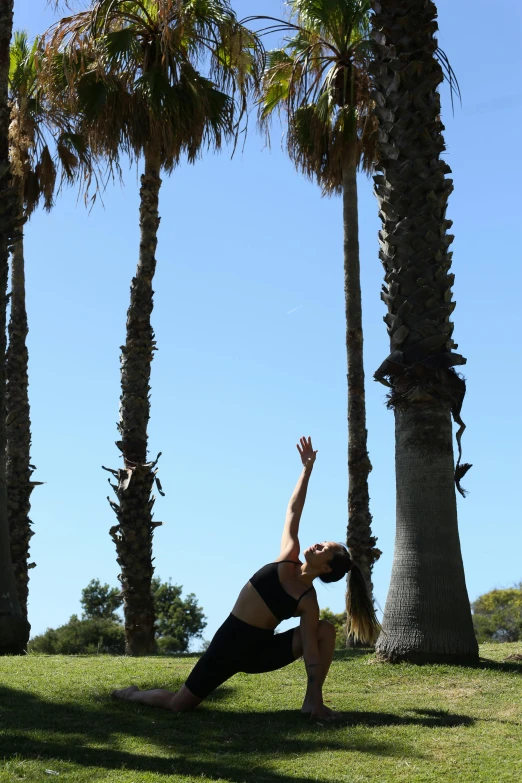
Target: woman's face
[[319, 555]]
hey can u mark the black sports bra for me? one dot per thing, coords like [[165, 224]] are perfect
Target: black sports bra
[[266, 582]]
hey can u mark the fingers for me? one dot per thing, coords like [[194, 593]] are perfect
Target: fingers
[[305, 446], [306, 451]]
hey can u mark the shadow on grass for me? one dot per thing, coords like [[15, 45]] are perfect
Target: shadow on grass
[[232, 745], [429, 719], [353, 653], [512, 667]]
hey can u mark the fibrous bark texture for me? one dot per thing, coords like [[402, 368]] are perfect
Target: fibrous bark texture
[[427, 615], [413, 191], [19, 469], [14, 628], [360, 540], [134, 532]]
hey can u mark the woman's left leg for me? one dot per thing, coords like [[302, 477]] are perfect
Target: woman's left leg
[[182, 701], [214, 667]]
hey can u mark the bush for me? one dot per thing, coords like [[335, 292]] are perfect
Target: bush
[[497, 615], [100, 601], [339, 621], [94, 636], [178, 621]]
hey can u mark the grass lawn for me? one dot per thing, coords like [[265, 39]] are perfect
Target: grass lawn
[[400, 723]]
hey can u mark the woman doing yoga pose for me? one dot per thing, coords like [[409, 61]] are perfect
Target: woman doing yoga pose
[[246, 642]]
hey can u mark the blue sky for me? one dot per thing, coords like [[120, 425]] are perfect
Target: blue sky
[[249, 320]]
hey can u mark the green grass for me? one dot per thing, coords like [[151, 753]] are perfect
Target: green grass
[[400, 723]]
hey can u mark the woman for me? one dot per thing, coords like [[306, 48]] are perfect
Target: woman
[[246, 641]]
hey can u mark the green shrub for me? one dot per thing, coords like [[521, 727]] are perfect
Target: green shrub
[[339, 621], [98, 635], [497, 615], [178, 621]]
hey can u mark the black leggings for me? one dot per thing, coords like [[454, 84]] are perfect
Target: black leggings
[[239, 647]]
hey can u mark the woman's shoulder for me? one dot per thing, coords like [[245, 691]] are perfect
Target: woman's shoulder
[[288, 569]]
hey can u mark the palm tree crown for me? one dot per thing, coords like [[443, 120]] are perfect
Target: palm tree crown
[[320, 77], [37, 126], [133, 68]]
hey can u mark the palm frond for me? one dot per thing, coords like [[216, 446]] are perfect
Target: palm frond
[[22, 70], [69, 161], [42, 137], [45, 170], [449, 76]]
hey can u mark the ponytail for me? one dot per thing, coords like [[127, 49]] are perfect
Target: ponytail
[[361, 620]]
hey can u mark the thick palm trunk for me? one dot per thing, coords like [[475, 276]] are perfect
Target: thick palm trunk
[[19, 469], [427, 615], [359, 537], [14, 628], [134, 531]]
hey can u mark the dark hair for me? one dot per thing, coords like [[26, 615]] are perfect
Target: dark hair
[[361, 621], [340, 564]]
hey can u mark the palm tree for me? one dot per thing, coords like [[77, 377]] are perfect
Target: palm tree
[[132, 69], [35, 124], [14, 628], [427, 615], [320, 78]]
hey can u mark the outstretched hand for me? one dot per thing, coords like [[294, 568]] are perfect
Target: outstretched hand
[[306, 452]]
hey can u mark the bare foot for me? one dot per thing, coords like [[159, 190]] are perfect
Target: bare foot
[[324, 713], [124, 693]]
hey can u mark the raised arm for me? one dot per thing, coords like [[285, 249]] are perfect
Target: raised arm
[[290, 540]]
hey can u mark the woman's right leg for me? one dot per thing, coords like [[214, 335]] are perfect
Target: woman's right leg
[[326, 643]]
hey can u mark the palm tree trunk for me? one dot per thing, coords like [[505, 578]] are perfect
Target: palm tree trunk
[[19, 469], [427, 615], [360, 541], [14, 629], [134, 531]]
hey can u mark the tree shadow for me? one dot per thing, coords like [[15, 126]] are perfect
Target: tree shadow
[[232, 745], [512, 667], [484, 663], [434, 718], [237, 770], [430, 719], [353, 653]]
